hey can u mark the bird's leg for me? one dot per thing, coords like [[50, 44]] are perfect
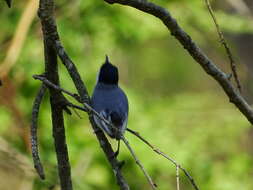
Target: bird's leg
[[117, 152]]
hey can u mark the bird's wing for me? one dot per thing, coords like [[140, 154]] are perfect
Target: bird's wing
[[101, 124], [105, 103]]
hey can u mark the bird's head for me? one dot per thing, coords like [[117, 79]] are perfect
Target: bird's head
[[108, 73]]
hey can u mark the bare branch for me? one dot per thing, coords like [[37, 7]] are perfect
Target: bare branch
[[165, 156], [224, 43], [209, 67], [46, 10], [34, 125], [56, 87], [153, 185]]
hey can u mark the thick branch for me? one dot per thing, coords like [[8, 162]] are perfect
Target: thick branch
[[51, 71], [193, 50]]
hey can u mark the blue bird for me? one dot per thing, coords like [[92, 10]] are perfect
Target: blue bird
[[110, 101]]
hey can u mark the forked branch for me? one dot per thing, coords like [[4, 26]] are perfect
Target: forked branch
[[156, 150], [152, 184], [224, 43]]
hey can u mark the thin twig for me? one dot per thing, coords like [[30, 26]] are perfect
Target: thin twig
[[78, 115], [153, 185], [165, 156], [34, 125], [224, 43], [56, 87], [177, 177]]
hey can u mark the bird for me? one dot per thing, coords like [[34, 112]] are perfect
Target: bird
[[111, 102]]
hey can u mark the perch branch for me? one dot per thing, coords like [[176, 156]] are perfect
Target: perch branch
[[165, 156], [153, 185], [197, 54], [34, 125], [224, 43]]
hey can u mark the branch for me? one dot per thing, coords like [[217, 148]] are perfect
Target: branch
[[224, 43], [197, 54], [34, 142], [153, 185], [156, 150], [46, 9]]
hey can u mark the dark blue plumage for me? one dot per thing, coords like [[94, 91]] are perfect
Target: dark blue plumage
[[110, 101]]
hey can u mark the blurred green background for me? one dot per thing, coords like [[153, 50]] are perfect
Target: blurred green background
[[173, 103]]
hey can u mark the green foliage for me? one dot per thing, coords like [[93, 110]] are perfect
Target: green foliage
[[173, 103]]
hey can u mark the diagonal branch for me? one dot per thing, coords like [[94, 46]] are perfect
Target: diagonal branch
[[152, 184], [156, 150], [192, 48], [34, 125]]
